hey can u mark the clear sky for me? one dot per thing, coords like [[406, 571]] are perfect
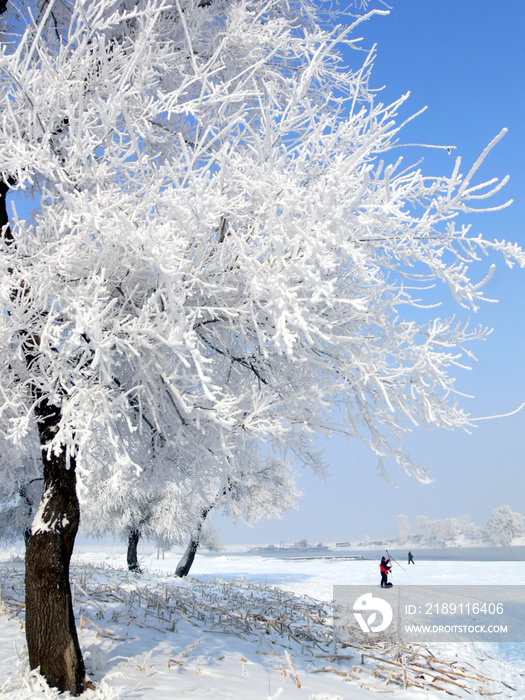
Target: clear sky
[[465, 61]]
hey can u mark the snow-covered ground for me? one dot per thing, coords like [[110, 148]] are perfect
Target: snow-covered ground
[[136, 647]]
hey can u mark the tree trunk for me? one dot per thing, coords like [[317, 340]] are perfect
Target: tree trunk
[[133, 540], [51, 634], [187, 559]]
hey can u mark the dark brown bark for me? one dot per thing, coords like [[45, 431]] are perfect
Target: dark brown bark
[[51, 634], [133, 540]]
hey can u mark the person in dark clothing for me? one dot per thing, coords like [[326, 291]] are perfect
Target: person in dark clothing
[[385, 567], [411, 559]]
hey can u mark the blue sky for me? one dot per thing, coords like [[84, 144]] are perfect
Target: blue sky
[[465, 61]]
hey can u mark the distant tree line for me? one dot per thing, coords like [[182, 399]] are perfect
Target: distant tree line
[[503, 527]]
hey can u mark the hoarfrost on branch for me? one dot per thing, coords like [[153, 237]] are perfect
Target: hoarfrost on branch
[[227, 251]]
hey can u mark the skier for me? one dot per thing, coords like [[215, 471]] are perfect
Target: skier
[[385, 568], [411, 559]]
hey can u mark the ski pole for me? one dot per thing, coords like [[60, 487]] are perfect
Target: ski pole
[[395, 560]]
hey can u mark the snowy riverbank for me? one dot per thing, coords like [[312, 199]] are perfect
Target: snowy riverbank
[[132, 652]]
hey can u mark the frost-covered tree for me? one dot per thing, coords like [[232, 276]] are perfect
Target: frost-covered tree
[[467, 528], [422, 526], [149, 505], [446, 530], [403, 529], [258, 491], [504, 524], [225, 249], [144, 504], [130, 512]]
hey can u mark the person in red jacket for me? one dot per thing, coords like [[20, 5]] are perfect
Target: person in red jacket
[[385, 567]]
